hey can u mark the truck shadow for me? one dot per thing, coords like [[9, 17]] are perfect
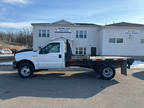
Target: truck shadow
[[53, 85], [139, 75]]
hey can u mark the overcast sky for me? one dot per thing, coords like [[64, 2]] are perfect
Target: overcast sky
[[15, 14]]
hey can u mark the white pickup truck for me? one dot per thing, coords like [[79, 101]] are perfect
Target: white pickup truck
[[58, 54]]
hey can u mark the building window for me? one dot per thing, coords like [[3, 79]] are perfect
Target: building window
[[116, 40], [85, 34], [39, 33], [80, 51], [44, 33], [48, 33], [77, 34], [112, 40], [142, 41], [77, 51], [84, 51], [119, 40], [81, 34]]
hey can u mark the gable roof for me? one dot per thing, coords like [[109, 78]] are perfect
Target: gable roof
[[126, 24], [64, 22]]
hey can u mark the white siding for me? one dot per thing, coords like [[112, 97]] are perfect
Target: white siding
[[96, 37], [90, 41], [87, 43], [131, 46]]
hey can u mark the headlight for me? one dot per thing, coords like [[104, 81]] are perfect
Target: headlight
[[14, 59]]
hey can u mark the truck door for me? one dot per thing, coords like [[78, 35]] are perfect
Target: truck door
[[51, 56]]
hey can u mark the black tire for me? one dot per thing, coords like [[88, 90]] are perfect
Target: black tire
[[25, 70], [107, 72]]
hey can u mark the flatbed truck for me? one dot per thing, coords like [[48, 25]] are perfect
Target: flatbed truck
[[58, 54]]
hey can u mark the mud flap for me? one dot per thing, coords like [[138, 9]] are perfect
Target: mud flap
[[124, 68]]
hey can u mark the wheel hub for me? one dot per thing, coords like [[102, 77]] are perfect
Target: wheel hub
[[25, 71], [107, 72]]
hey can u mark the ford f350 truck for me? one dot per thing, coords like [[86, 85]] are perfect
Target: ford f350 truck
[[58, 54]]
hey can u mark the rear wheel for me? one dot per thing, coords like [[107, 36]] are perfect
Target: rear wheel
[[26, 70], [107, 72]]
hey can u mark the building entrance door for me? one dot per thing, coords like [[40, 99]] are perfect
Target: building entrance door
[[93, 51]]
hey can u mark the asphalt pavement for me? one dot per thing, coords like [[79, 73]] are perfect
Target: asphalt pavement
[[71, 89]]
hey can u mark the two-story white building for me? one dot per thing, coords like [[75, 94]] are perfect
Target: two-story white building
[[125, 39]]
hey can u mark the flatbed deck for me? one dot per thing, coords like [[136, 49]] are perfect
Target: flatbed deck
[[96, 62], [100, 58]]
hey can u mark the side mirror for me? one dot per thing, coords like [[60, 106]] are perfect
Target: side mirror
[[40, 51], [39, 47]]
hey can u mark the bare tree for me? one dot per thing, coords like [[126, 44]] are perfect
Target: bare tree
[[23, 37]]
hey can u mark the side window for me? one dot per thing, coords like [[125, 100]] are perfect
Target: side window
[[142, 41], [84, 51], [80, 51], [116, 40], [43, 33], [39, 33], [112, 40], [77, 34], [55, 48], [51, 48], [119, 40], [85, 34], [81, 34], [48, 33]]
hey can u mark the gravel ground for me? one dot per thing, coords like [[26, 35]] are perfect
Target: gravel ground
[[71, 89]]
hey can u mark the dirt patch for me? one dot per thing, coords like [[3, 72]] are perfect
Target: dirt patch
[[10, 45]]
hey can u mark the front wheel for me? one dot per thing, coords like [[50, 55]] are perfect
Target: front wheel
[[26, 70], [107, 72]]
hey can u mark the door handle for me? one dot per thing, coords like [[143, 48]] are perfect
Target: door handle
[[60, 56]]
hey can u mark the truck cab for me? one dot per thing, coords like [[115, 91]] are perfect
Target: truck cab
[[53, 55]]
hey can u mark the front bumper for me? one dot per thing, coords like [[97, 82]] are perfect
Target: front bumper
[[15, 65]]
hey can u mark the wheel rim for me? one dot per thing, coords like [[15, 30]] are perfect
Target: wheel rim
[[25, 71], [107, 72]]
